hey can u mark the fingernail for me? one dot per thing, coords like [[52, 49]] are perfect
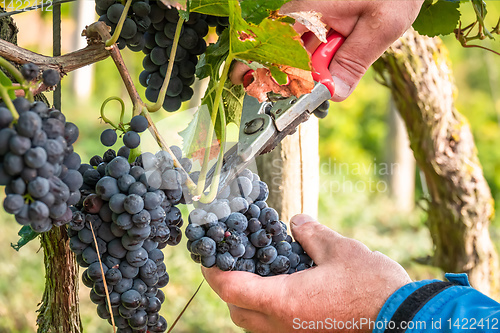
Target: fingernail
[[301, 219], [342, 89]]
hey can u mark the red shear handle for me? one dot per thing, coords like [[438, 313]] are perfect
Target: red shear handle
[[322, 58]]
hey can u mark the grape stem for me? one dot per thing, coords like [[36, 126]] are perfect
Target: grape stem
[[164, 146], [139, 106], [217, 100], [103, 278], [8, 102], [214, 188], [163, 90], [119, 26], [122, 112]]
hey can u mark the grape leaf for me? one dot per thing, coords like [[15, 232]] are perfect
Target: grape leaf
[[270, 43], [437, 18], [278, 75], [212, 59], [27, 235], [194, 136], [209, 7], [254, 11]]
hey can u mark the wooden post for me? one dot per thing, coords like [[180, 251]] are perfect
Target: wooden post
[[291, 171]]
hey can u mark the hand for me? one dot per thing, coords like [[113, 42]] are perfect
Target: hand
[[370, 27], [349, 283]]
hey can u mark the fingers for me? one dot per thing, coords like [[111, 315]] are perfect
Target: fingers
[[246, 290], [316, 239], [250, 320], [238, 71]]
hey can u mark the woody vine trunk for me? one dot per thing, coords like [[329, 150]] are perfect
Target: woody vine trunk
[[59, 310], [418, 72]]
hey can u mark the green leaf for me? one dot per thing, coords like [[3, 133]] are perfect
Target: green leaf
[[270, 43], [254, 11], [232, 97], [27, 235], [438, 18], [278, 75], [209, 7], [194, 135], [212, 59], [6, 82]]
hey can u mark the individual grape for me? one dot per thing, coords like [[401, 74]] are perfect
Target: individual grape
[[108, 137], [117, 167], [19, 144], [172, 104], [21, 104], [204, 247], [13, 203], [28, 124], [260, 238], [225, 261], [158, 56], [141, 8], [50, 77], [29, 71], [129, 28], [139, 124], [237, 221], [131, 299], [137, 258], [114, 12], [38, 187], [133, 204], [131, 139], [71, 133]]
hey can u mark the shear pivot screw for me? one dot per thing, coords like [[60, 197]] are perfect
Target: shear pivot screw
[[253, 125]]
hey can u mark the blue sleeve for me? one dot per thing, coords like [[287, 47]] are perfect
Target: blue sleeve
[[455, 307]]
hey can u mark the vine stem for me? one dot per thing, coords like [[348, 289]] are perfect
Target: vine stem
[[164, 146], [8, 101], [119, 26], [103, 278], [139, 106], [214, 188], [106, 119], [163, 90], [218, 97]]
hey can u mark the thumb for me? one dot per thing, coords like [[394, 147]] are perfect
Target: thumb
[[317, 240], [368, 40]]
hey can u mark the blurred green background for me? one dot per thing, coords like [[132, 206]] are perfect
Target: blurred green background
[[355, 133]]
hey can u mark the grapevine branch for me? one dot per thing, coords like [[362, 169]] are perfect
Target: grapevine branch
[[63, 64], [101, 29]]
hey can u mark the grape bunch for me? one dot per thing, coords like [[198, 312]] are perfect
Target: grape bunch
[[38, 165], [158, 47], [135, 25], [238, 231], [150, 27], [133, 217]]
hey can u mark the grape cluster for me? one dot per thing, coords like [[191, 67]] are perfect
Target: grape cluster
[[150, 27], [158, 46], [133, 218], [135, 25], [38, 165], [238, 231]]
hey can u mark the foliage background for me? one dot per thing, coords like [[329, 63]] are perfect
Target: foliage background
[[354, 134]]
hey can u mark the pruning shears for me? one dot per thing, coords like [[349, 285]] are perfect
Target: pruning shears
[[264, 125]]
